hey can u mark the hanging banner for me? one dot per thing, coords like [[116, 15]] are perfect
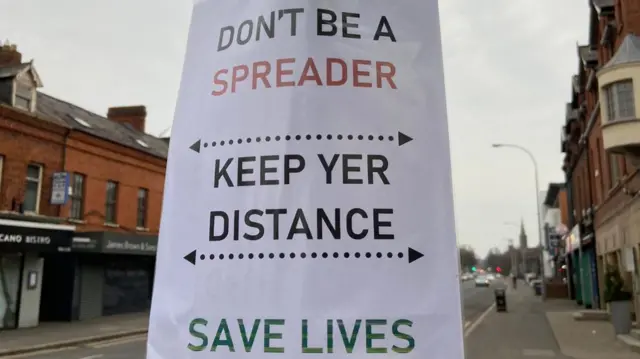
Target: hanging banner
[[308, 205]]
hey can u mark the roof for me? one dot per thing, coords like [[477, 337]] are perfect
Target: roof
[[587, 54], [552, 194], [59, 111], [628, 52]]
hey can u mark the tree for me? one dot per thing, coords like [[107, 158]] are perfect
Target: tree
[[495, 258], [468, 257]]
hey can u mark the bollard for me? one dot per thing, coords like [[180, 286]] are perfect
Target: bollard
[[501, 300]]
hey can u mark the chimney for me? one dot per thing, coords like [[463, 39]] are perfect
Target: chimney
[[9, 55], [133, 116]]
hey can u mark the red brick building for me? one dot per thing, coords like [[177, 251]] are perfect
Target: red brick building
[[99, 179], [600, 139]]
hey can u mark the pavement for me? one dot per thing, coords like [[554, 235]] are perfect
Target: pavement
[[532, 328], [81, 340]]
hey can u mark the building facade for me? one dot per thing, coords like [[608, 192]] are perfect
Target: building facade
[[80, 202], [600, 139]]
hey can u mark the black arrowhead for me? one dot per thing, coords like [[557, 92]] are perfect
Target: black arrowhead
[[413, 255], [196, 146], [402, 139], [191, 257]]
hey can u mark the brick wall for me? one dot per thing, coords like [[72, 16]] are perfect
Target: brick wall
[[100, 162], [24, 140]]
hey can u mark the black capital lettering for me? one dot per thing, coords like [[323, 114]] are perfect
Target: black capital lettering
[[321, 19], [243, 25], [289, 169], [276, 220], [350, 230], [377, 223], [299, 225], [253, 224], [268, 28], [245, 171], [379, 170], [346, 25], [236, 225], [323, 218], [328, 167], [212, 226], [264, 170], [229, 29], [222, 173], [346, 169], [384, 29], [294, 17]]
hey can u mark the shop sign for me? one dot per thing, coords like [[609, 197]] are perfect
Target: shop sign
[[20, 237], [135, 245], [309, 187], [572, 239]]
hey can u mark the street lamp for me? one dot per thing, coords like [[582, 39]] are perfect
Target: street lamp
[[540, 231]]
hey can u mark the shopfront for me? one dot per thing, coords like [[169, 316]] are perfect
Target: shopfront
[[22, 246], [582, 267], [114, 273]]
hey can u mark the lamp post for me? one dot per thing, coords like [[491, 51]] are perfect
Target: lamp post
[[538, 214]]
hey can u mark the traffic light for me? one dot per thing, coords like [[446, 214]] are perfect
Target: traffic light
[[498, 269], [473, 269]]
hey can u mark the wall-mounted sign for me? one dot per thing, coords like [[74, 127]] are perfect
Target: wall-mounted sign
[[32, 280], [60, 188], [34, 236], [130, 246]]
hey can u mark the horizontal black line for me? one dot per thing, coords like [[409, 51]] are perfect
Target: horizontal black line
[[301, 255]]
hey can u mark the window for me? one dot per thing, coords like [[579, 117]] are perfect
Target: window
[[82, 122], [23, 96], [110, 207], [32, 189], [142, 143], [614, 170], [77, 196], [620, 101], [143, 195]]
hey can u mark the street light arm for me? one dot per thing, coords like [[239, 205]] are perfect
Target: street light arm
[[523, 149]]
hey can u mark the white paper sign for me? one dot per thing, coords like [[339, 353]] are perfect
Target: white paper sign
[[308, 203]]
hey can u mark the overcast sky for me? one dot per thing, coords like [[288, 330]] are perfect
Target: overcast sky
[[507, 65]]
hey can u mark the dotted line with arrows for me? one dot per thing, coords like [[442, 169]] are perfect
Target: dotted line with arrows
[[302, 255], [401, 139], [239, 141]]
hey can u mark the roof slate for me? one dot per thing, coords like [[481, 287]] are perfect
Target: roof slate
[[628, 52], [54, 110]]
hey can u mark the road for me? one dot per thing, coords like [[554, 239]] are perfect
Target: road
[[476, 301]]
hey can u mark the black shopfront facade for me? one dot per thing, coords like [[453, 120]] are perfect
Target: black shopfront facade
[[25, 243], [112, 273]]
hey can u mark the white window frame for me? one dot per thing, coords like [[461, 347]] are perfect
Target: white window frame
[[16, 83], [39, 191], [613, 101]]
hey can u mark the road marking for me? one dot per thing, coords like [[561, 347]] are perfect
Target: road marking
[[96, 356], [39, 352], [125, 340], [477, 322]]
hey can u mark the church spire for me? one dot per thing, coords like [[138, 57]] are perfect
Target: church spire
[[523, 235]]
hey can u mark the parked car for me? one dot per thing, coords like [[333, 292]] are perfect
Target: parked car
[[482, 281]]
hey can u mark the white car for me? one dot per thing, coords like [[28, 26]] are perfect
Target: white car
[[482, 281]]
